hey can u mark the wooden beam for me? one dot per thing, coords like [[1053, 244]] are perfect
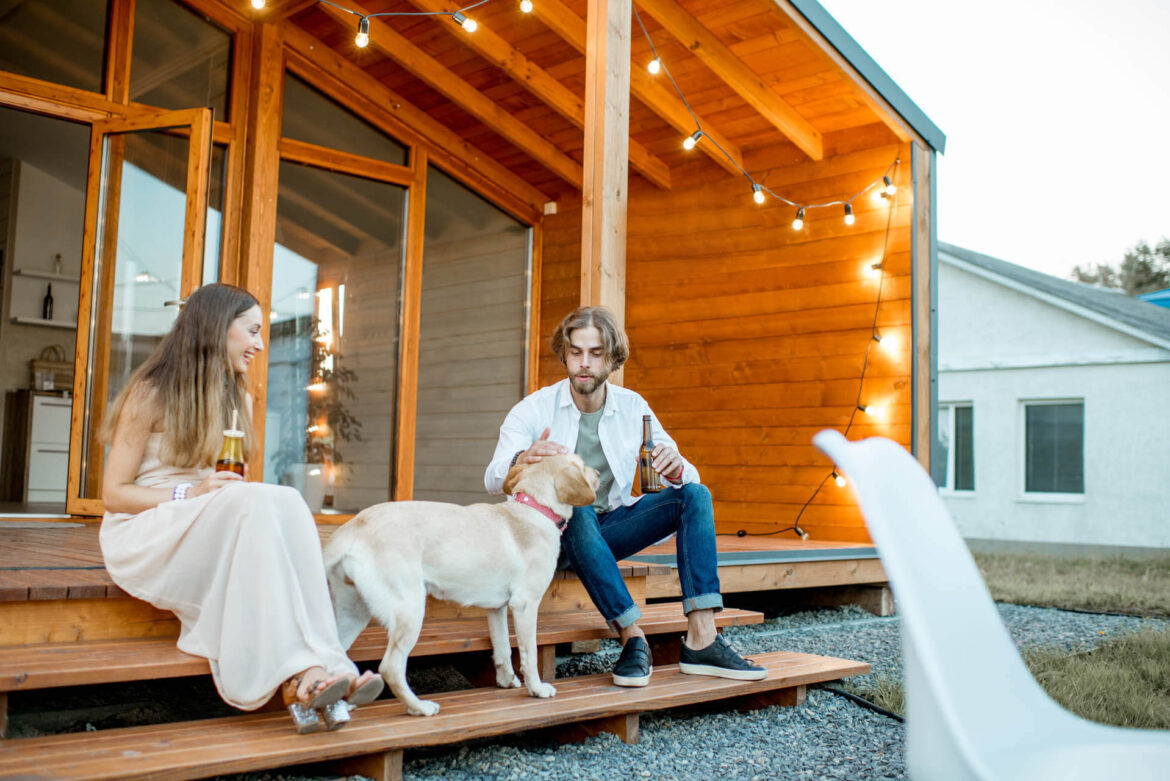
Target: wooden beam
[[385, 39], [411, 315], [346, 163], [691, 33], [279, 10], [258, 228], [571, 28], [868, 95], [327, 70], [540, 83], [920, 188], [607, 131], [121, 36]]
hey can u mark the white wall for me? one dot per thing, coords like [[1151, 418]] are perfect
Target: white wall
[[1125, 385]]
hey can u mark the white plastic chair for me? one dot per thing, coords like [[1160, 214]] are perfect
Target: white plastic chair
[[974, 711]]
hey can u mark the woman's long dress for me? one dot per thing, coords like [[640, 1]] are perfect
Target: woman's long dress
[[242, 569]]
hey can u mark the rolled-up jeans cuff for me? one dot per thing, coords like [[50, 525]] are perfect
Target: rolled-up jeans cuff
[[625, 619], [703, 602]]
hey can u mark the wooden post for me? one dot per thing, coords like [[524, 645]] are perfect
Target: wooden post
[[416, 221], [607, 131], [258, 227], [924, 291], [385, 766]]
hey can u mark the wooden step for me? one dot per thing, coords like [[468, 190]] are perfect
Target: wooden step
[[381, 731], [50, 665]]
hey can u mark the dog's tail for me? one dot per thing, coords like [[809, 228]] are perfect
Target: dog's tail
[[345, 577]]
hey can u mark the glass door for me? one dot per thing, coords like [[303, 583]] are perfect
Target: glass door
[[145, 216]]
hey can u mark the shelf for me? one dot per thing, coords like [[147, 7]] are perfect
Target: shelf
[[46, 323], [20, 272]]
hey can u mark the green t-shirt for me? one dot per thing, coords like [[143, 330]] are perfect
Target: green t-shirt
[[589, 448]]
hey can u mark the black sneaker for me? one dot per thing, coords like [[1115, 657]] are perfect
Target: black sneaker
[[633, 666], [721, 660]]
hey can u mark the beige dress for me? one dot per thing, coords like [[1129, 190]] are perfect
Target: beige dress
[[242, 569]]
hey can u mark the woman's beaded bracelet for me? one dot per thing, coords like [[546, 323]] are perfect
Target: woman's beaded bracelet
[[180, 492]]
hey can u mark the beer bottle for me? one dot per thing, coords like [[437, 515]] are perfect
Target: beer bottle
[[651, 482], [231, 455]]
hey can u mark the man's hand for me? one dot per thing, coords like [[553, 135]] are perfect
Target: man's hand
[[667, 462], [541, 448]]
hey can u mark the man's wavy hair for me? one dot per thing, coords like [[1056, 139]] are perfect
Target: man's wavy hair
[[613, 338]]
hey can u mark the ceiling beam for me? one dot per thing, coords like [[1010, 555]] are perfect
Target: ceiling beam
[[427, 69], [311, 59], [563, 21], [279, 10], [540, 83], [701, 42]]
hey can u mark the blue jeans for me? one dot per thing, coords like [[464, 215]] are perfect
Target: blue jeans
[[595, 543]]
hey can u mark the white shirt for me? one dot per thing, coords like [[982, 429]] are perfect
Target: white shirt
[[619, 431]]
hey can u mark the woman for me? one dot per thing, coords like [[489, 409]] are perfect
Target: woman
[[239, 563]]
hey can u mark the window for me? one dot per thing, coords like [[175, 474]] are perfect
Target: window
[[180, 59], [956, 442], [1054, 453]]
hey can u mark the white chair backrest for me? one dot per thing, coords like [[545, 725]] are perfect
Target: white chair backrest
[[965, 680]]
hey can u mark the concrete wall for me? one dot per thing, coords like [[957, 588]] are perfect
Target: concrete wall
[[998, 348]]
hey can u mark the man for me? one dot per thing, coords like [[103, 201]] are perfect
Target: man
[[602, 423]]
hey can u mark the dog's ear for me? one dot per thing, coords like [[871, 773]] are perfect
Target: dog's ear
[[572, 487], [512, 478]]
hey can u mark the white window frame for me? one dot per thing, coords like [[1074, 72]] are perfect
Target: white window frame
[[947, 488], [1046, 497]]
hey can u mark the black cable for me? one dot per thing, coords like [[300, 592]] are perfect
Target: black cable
[[864, 703]]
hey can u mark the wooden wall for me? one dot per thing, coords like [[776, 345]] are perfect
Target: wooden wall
[[748, 337]]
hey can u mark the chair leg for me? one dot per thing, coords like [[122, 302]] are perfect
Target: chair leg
[[384, 766]]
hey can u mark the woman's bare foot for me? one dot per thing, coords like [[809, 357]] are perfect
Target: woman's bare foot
[[365, 688]]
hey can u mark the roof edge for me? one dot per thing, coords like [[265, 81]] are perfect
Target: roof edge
[[1072, 307], [816, 15]]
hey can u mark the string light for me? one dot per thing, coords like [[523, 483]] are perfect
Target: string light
[[655, 65], [757, 193], [839, 478], [468, 24], [257, 4], [849, 218], [690, 141], [526, 6], [798, 222], [362, 39], [890, 188]]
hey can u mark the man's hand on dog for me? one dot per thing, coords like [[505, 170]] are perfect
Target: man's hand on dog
[[541, 448]]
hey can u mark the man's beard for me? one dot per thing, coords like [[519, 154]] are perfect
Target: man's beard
[[588, 386]]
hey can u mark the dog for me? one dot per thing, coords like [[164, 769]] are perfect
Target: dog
[[386, 560]]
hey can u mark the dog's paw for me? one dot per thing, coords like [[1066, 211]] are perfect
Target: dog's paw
[[507, 680], [542, 690], [424, 708]]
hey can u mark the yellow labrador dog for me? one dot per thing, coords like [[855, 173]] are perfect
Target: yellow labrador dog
[[384, 562]]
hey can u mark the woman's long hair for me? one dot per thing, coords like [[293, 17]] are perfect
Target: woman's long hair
[[188, 383]]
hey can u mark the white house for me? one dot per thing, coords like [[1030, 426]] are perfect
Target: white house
[[1054, 409]]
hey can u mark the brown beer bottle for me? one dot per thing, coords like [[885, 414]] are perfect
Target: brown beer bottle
[[231, 455], [651, 482]]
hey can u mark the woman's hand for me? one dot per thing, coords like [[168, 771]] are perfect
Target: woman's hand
[[212, 482]]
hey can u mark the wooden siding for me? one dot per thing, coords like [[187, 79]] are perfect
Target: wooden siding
[[747, 337]]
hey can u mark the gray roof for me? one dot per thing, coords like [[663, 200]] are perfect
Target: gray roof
[[1139, 315], [843, 42]]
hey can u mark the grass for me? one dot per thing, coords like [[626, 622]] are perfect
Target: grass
[[1139, 587], [1124, 681]]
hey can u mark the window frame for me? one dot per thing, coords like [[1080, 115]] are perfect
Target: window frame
[[1045, 497], [947, 488]]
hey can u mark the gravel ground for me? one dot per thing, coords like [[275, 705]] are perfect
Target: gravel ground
[[826, 737]]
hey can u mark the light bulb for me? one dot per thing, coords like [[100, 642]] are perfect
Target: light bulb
[[362, 39], [757, 194], [873, 269], [526, 6], [655, 65], [257, 4], [469, 25], [690, 141], [798, 223], [873, 410], [889, 342], [890, 188], [840, 478], [849, 218]]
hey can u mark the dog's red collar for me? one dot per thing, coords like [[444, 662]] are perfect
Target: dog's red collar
[[524, 498]]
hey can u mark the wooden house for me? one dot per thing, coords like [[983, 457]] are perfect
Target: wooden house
[[416, 211]]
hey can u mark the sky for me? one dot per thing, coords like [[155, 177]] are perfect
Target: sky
[[1056, 114]]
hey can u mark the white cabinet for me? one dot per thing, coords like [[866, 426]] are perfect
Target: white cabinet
[[36, 446]]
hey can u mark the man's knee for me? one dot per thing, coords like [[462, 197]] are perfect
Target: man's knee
[[696, 494], [582, 522]]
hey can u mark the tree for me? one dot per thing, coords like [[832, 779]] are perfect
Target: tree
[[1143, 270]]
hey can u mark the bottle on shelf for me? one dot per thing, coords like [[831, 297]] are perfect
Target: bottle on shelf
[[57, 263], [47, 304], [231, 455], [651, 482]]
